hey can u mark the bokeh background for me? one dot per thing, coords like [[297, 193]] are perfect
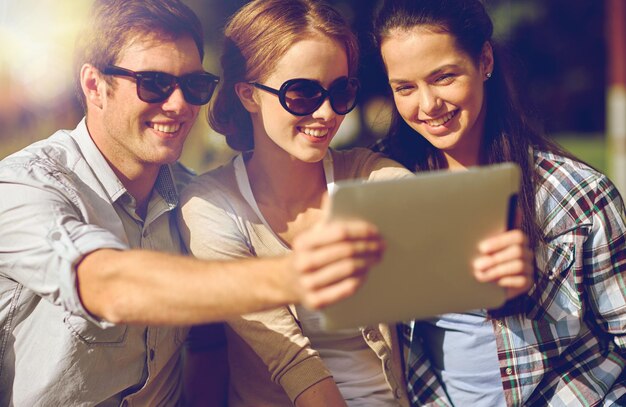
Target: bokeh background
[[558, 48]]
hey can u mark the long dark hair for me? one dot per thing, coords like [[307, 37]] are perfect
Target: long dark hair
[[508, 136]]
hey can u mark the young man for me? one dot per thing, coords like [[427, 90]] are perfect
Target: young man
[[90, 302]]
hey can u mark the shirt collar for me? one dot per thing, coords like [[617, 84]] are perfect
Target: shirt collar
[[166, 187], [114, 188]]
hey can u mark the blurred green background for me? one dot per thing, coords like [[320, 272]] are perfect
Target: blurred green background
[[557, 47]]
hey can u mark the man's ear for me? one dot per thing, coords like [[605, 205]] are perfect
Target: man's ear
[[245, 93], [93, 85], [486, 60]]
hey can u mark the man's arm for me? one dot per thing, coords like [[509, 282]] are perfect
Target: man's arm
[[328, 263]]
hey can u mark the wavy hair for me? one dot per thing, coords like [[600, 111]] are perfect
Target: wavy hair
[[256, 37], [114, 24]]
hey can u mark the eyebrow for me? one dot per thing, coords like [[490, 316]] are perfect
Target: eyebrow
[[434, 72]]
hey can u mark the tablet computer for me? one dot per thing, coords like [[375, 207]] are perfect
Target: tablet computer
[[431, 224]]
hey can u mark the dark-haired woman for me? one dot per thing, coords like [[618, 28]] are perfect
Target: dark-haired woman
[[563, 343]]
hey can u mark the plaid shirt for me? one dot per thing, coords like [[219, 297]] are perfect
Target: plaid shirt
[[568, 345]]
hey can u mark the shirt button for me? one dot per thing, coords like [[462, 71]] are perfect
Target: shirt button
[[397, 394], [151, 354], [372, 336], [509, 371]]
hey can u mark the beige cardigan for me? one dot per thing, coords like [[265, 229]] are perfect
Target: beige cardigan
[[271, 361]]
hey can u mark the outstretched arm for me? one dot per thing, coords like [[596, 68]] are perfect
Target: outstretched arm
[[328, 263]]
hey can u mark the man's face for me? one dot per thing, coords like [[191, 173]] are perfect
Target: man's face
[[137, 135]]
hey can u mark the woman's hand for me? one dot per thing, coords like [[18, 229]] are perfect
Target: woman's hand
[[507, 261]]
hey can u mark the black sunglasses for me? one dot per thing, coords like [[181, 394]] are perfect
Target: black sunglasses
[[156, 87], [302, 97]]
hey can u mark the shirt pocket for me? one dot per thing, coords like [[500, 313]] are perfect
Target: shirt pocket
[[555, 295], [92, 334]]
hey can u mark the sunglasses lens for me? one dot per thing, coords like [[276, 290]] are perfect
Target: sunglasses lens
[[302, 97], [198, 88], [343, 95], [155, 87]]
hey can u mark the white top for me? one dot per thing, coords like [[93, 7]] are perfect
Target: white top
[[355, 367], [276, 355]]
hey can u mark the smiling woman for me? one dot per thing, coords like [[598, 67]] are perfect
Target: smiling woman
[[287, 85], [456, 107], [445, 85]]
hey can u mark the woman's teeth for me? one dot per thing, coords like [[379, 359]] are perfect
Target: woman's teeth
[[315, 132], [442, 120]]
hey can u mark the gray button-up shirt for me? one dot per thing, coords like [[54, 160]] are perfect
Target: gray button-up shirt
[[60, 200]]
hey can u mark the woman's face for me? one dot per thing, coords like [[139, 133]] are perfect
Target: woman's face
[[438, 90], [305, 138]]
